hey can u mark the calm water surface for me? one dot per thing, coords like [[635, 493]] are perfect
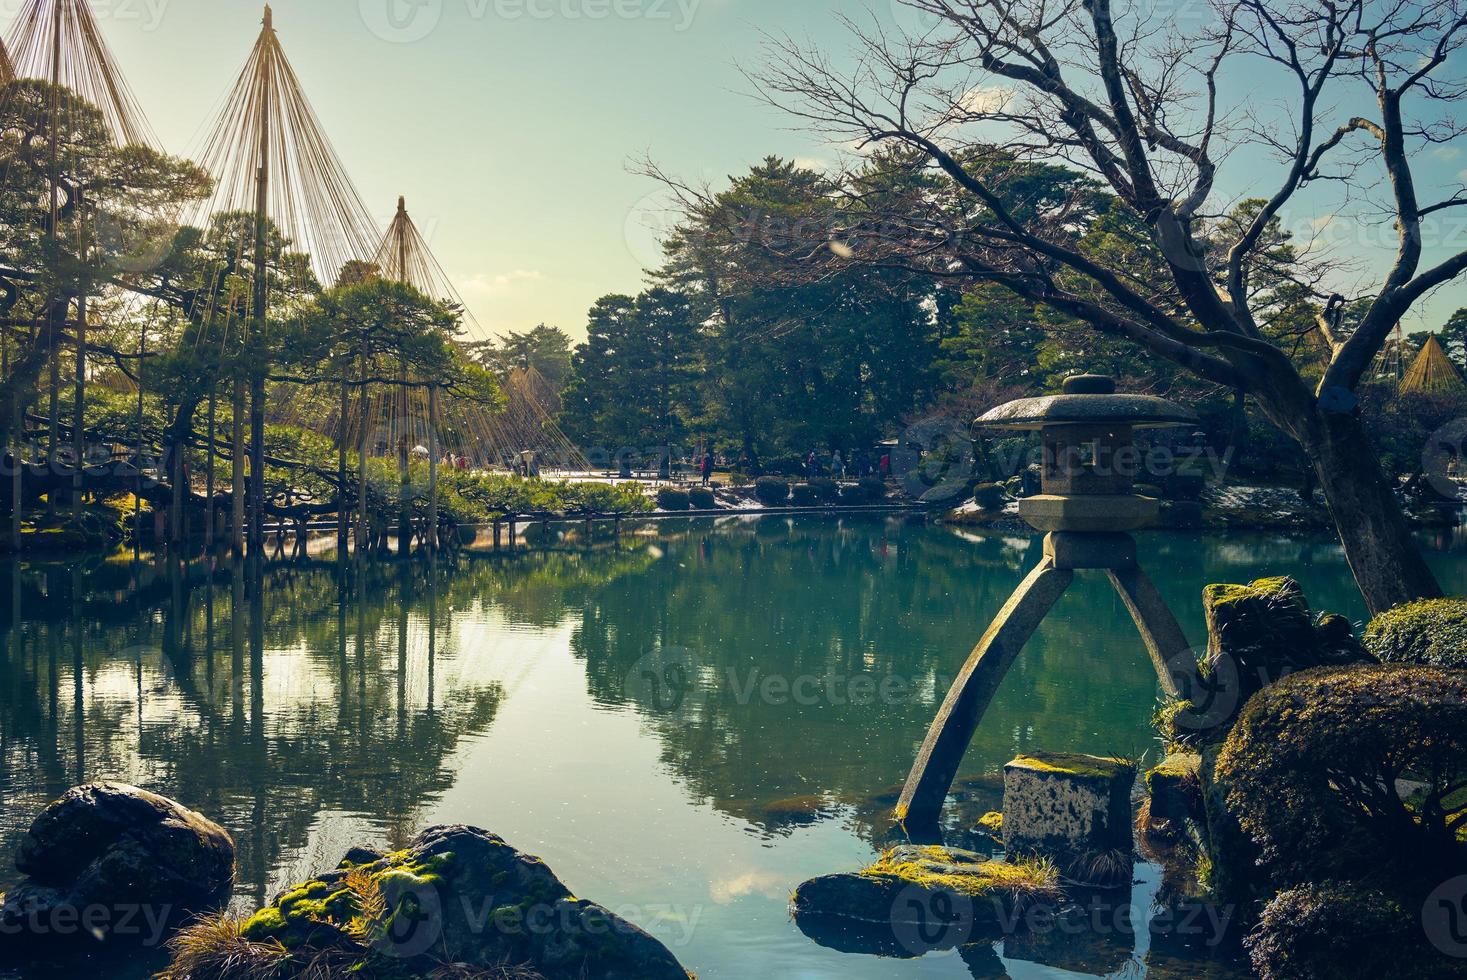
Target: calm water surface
[[685, 725]]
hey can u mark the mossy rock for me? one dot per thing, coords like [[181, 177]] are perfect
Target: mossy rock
[[991, 824], [1431, 633], [1174, 789], [453, 888], [1257, 634], [1075, 765], [899, 891]]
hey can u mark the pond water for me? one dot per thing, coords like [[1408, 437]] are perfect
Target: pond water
[[685, 724]]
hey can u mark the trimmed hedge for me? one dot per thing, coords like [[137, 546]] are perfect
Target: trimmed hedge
[[772, 491], [805, 495], [1331, 931], [670, 498], [1312, 768], [827, 491], [1432, 633], [703, 499]]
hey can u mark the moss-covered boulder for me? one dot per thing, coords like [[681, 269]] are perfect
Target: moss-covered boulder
[[1330, 931], [891, 907], [457, 895], [1347, 773], [1174, 790], [1432, 633], [1256, 634], [131, 861], [1074, 809]]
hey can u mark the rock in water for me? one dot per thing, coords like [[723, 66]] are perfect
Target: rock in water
[[917, 900], [114, 862], [1075, 809], [456, 895]]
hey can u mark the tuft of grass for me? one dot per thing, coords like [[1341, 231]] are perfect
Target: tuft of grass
[[216, 948]]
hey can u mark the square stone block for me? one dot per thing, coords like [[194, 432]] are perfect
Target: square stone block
[[1073, 808]]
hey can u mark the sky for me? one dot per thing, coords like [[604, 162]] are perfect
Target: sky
[[511, 125]]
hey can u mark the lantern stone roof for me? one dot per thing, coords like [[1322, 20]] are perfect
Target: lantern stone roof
[[1089, 400]]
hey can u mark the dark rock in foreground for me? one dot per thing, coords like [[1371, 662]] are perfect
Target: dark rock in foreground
[[113, 862], [458, 902]]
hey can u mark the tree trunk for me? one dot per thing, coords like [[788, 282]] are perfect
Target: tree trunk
[[1383, 556]]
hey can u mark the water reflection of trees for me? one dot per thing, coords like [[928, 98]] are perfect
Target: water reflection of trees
[[270, 701], [882, 600], [263, 700]]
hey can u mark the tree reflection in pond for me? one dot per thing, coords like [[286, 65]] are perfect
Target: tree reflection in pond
[[727, 706]]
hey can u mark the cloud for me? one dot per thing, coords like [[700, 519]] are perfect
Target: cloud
[[763, 883], [985, 99], [492, 285]]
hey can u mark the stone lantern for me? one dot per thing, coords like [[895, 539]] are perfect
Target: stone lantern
[[1087, 510]]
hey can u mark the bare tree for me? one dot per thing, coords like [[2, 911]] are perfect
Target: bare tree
[[1158, 108]]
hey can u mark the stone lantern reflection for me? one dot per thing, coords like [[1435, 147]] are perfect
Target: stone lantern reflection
[[1087, 510]]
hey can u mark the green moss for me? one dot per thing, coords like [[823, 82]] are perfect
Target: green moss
[[1432, 633], [1075, 765], [940, 869], [1178, 766], [991, 823]]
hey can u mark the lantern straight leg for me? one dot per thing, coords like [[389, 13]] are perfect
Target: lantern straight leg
[[947, 741]]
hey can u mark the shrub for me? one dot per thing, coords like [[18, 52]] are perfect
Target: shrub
[[827, 491], [670, 498], [1330, 931], [772, 491], [1432, 633], [805, 495], [1313, 763], [875, 488], [855, 495], [703, 499]]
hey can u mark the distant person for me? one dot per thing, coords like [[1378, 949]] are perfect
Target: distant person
[[886, 466], [707, 469], [837, 466]]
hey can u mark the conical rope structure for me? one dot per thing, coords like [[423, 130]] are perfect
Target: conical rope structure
[[1433, 371], [283, 211], [63, 95]]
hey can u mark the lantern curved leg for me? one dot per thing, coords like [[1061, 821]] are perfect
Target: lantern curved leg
[[952, 730], [1170, 652]]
